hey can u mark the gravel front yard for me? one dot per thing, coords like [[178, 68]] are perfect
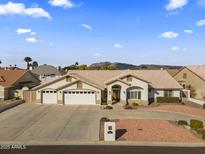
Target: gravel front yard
[[180, 108], [153, 130]]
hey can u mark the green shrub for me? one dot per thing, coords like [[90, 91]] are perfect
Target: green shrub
[[196, 124], [135, 104], [201, 132], [128, 107], [104, 119], [182, 122], [168, 99], [203, 106]]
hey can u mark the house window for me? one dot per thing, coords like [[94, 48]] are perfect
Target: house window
[[68, 79], [184, 76], [134, 95], [129, 79], [168, 93], [79, 85]]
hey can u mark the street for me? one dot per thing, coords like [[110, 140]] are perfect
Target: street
[[104, 150]]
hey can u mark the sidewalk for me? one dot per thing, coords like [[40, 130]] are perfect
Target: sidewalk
[[99, 143]]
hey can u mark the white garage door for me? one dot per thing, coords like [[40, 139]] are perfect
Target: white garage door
[[80, 97], [49, 97]]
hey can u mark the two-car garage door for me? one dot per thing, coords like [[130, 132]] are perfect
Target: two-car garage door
[[79, 97], [70, 97]]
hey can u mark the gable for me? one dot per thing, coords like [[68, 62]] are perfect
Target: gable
[[192, 78]]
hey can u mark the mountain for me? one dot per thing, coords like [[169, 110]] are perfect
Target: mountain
[[121, 66]]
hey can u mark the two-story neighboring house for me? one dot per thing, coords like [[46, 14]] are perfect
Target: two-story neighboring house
[[193, 79], [47, 72]]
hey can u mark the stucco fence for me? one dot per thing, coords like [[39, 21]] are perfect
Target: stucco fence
[[187, 97]]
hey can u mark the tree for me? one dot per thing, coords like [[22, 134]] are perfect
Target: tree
[[35, 64], [76, 63], [28, 60]]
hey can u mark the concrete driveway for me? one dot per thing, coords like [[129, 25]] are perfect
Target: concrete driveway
[[51, 123]]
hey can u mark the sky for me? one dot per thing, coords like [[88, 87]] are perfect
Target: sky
[[62, 32]]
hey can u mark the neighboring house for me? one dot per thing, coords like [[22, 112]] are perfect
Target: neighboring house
[[173, 72], [97, 87], [11, 80], [46, 72], [193, 79]]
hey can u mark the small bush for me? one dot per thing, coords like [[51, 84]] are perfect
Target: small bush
[[108, 107], [128, 107], [201, 132], [182, 122], [168, 99], [104, 119], [135, 104], [196, 124], [203, 106]]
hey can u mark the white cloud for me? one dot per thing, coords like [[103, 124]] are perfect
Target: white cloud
[[23, 30], [176, 4], [33, 33], [50, 44], [117, 45], [188, 31], [86, 26], [19, 9], [31, 40], [62, 3], [169, 35], [177, 48], [97, 54], [200, 22]]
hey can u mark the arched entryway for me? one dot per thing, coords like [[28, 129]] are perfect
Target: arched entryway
[[116, 91]]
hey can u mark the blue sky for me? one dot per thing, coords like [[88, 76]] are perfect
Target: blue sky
[[61, 32]]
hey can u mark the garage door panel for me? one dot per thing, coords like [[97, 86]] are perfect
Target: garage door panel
[[49, 97], [80, 98]]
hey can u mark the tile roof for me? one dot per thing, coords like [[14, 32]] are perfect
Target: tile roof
[[158, 79], [9, 77], [198, 69], [173, 72], [46, 70]]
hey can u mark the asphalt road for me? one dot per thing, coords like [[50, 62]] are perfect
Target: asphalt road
[[103, 150]]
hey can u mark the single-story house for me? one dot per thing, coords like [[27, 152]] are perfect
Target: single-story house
[[11, 80], [193, 79], [97, 86], [47, 72]]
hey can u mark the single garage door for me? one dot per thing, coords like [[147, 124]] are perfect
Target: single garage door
[[80, 97], [49, 97]]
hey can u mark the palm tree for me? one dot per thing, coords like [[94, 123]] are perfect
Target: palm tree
[[27, 60], [35, 64]]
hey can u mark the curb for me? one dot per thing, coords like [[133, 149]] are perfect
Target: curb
[[10, 105], [101, 143]]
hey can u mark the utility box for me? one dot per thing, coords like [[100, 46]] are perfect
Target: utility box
[[109, 131]]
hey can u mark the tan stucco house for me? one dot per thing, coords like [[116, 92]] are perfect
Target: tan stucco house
[[11, 80], [193, 79], [96, 87]]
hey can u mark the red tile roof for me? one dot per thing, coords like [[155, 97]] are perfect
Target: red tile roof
[[9, 77]]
